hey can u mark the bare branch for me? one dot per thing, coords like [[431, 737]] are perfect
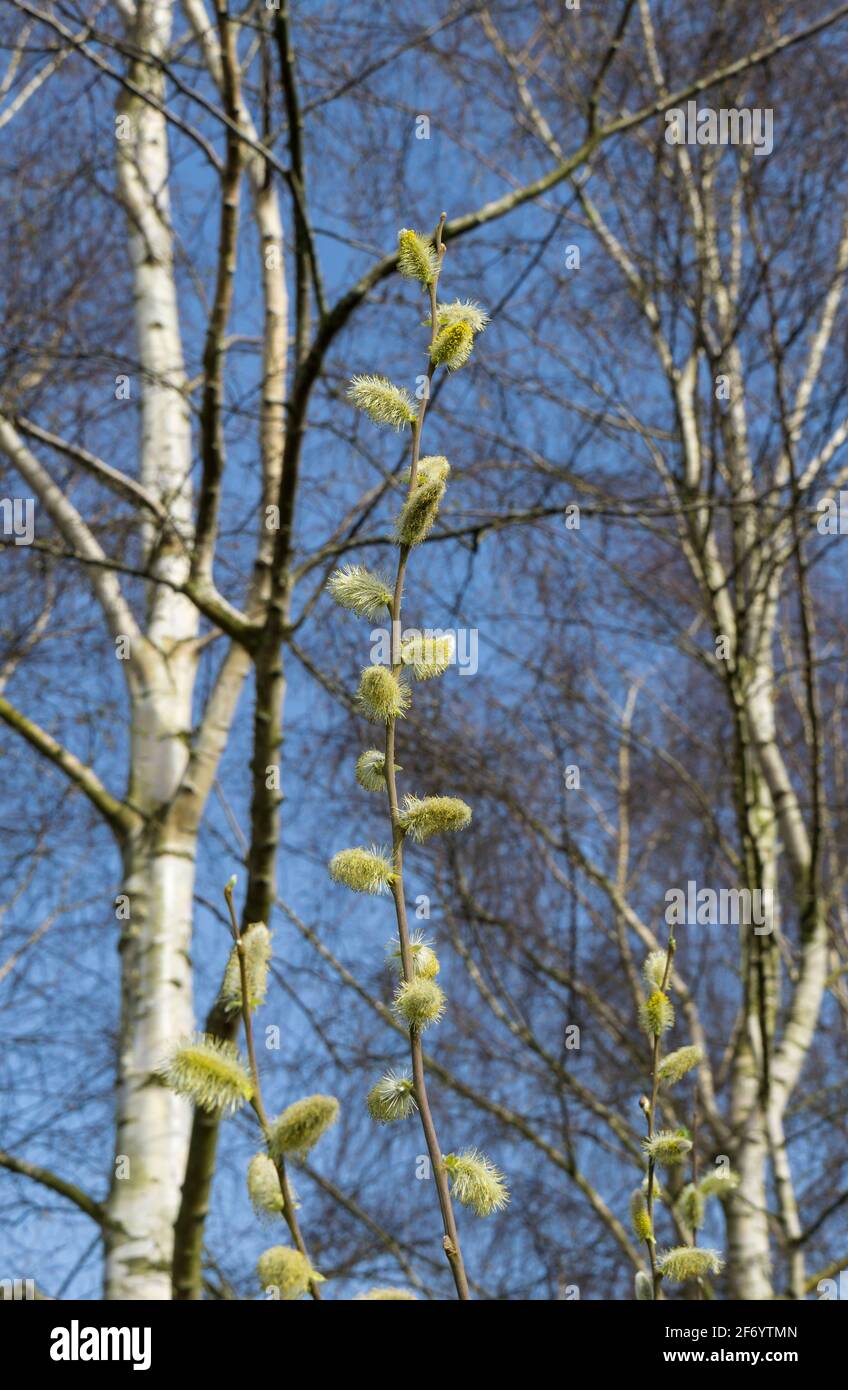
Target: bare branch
[[117, 814], [43, 1176]]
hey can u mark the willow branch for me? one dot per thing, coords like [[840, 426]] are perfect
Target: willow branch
[[511, 1119], [451, 1235]]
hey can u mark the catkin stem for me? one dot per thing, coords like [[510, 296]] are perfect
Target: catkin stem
[[451, 1237], [655, 1084], [289, 1213]]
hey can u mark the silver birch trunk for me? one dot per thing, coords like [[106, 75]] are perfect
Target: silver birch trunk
[[152, 1124]]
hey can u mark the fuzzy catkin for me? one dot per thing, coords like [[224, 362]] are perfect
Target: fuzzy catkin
[[363, 870], [476, 1182], [209, 1072], [419, 511], [720, 1184], [667, 1147], [452, 346], [417, 256], [639, 1217], [656, 1014], [301, 1125], [286, 1272], [371, 770], [263, 1185], [428, 656], [381, 696], [654, 968], [678, 1064], [256, 945], [689, 1262], [461, 311], [431, 468], [360, 591], [691, 1205], [393, 1098], [425, 962], [419, 1003], [422, 817], [382, 401]]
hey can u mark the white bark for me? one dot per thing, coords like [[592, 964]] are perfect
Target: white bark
[[748, 1254], [151, 1123]]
